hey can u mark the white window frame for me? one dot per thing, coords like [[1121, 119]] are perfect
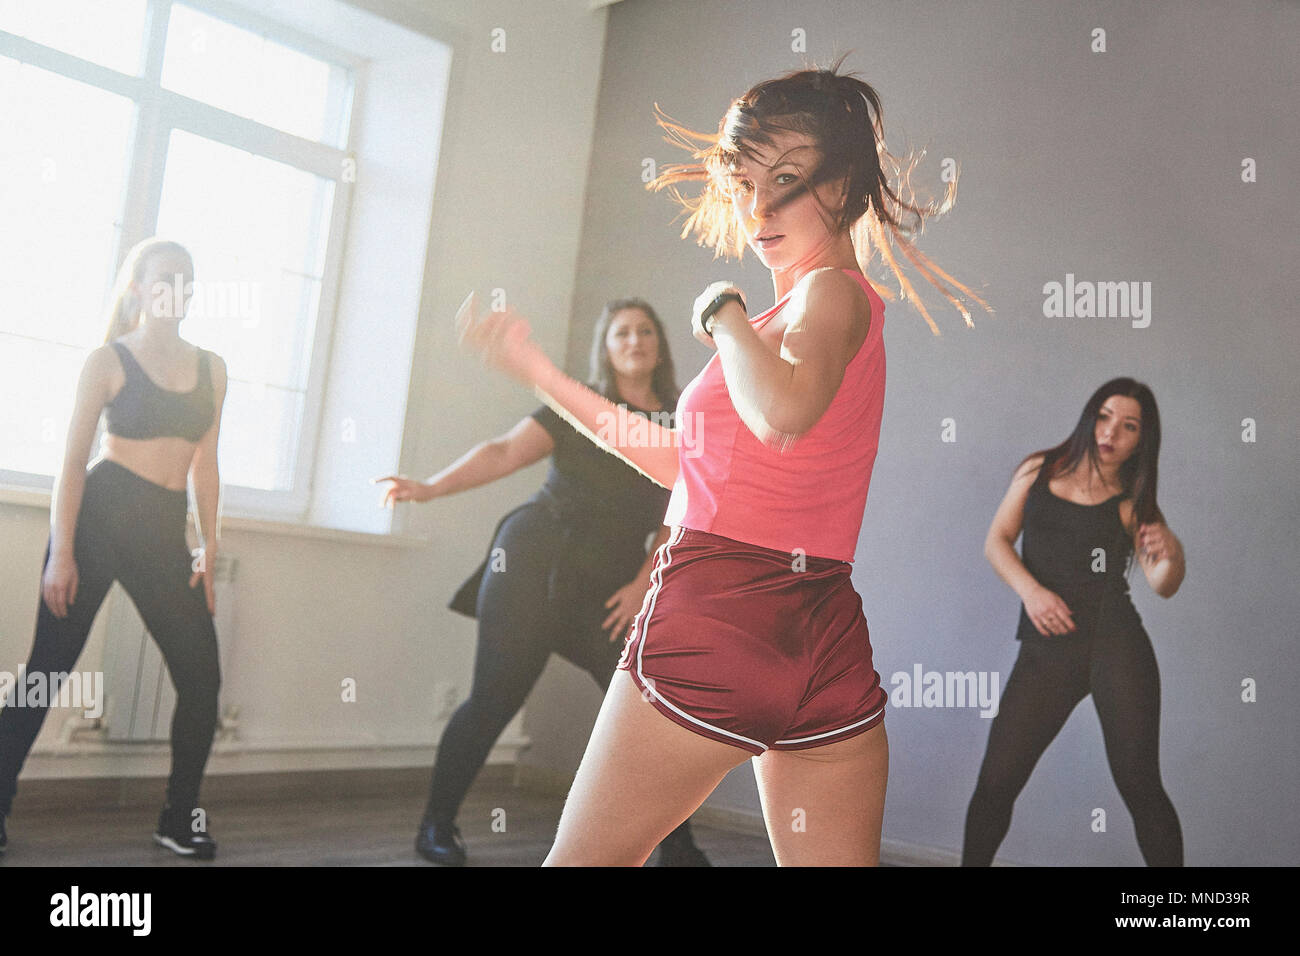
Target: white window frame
[[159, 111]]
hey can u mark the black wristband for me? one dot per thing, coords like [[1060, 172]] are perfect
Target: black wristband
[[712, 308]]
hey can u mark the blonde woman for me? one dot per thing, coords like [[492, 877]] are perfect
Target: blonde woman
[[125, 519]]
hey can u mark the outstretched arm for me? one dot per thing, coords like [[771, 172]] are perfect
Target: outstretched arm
[[524, 445], [646, 445], [502, 340]]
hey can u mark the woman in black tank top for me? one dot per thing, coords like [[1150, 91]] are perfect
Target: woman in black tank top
[[125, 520], [1079, 631], [1078, 551]]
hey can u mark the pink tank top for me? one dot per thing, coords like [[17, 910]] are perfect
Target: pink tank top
[[811, 496]]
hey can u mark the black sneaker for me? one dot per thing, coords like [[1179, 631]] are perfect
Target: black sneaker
[[440, 843], [176, 832]]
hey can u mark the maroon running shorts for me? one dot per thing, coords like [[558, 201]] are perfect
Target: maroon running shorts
[[754, 647]]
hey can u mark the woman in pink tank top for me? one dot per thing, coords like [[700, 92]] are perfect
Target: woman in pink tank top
[[751, 641]]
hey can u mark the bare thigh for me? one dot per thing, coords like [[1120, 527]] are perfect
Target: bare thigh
[[641, 776], [824, 806]]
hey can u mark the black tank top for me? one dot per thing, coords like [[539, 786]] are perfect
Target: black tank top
[[143, 409], [1063, 542], [603, 511]]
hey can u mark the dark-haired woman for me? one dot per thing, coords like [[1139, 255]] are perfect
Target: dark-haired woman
[[1085, 506], [752, 642], [125, 520], [566, 571]]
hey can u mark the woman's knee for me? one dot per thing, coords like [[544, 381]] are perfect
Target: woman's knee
[[998, 782], [1138, 783], [197, 685], [481, 714], [199, 696]]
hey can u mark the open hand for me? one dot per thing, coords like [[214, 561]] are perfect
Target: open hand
[[1156, 542], [403, 489], [626, 602], [502, 340], [1049, 613], [59, 584]]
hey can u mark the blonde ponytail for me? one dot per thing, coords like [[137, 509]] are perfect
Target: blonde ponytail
[[127, 304]]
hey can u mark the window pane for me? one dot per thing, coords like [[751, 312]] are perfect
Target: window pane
[[61, 199], [243, 72], [259, 430], [111, 34], [257, 230], [38, 387]]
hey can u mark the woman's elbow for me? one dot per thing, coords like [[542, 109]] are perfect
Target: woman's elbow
[[784, 424], [779, 430], [1168, 589]]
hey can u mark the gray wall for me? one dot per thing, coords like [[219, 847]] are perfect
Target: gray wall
[[1123, 165]]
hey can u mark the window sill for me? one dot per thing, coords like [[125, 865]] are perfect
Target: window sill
[[39, 498]]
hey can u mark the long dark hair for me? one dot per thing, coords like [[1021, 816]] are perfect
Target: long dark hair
[[1138, 475], [601, 376], [843, 115]]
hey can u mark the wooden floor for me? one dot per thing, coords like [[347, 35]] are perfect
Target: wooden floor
[[307, 826]]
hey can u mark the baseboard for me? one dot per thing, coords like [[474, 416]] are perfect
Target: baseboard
[[153, 760], [92, 793]]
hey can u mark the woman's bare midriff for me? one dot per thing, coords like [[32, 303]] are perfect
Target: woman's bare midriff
[[164, 461]]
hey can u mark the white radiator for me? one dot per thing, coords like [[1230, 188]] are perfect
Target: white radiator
[[138, 694]]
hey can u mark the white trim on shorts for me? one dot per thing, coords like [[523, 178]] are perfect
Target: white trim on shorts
[[832, 733], [648, 682]]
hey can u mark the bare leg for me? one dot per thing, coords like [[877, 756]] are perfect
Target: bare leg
[[824, 806], [641, 776]]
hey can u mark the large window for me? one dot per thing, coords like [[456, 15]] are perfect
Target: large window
[[195, 122]]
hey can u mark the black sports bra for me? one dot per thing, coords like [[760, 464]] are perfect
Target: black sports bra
[[143, 409]]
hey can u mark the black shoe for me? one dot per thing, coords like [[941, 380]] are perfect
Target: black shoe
[[440, 843], [679, 851], [176, 832], [4, 836]]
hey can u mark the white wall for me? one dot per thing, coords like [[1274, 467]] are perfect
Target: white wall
[[314, 610]]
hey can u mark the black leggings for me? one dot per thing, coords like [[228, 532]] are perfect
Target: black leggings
[[524, 615], [133, 531], [1051, 675]]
